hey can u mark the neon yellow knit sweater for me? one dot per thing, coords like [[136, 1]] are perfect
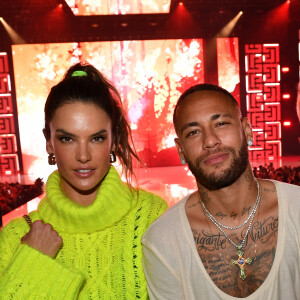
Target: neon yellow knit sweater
[[101, 253]]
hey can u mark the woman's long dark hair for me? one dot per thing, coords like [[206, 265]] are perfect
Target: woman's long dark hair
[[90, 86]]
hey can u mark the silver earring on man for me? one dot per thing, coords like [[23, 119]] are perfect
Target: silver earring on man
[[182, 160], [250, 142]]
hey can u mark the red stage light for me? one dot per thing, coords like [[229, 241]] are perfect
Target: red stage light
[[287, 123], [286, 96], [60, 5], [180, 3], [285, 69]]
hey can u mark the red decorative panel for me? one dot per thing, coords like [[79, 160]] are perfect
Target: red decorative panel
[[8, 144], [7, 124], [4, 83], [272, 130], [271, 93], [9, 160], [3, 63], [9, 164], [6, 104], [263, 99]]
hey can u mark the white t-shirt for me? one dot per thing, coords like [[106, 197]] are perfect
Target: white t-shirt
[[175, 271]]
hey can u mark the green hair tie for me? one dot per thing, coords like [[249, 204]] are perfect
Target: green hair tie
[[79, 73]]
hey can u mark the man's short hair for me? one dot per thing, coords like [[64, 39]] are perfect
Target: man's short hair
[[203, 87]]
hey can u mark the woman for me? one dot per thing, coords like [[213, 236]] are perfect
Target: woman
[[85, 238]]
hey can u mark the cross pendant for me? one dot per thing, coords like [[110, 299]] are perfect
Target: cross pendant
[[241, 262]]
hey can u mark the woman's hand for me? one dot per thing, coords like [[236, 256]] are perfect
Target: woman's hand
[[43, 238]]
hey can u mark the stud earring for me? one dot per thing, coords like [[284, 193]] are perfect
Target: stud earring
[[112, 157], [250, 142], [182, 160], [51, 159]]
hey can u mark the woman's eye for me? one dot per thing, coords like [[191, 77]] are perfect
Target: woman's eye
[[98, 139], [65, 139]]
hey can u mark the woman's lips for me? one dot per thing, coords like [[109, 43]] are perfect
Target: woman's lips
[[216, 158], [84, 173]]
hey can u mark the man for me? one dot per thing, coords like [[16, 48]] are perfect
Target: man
[[235, 236]]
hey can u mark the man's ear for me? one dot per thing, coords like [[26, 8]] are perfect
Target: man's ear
[[247, 128], [179, 148]]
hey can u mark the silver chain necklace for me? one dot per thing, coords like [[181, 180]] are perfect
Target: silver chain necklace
[[241, 262], [214, 220]]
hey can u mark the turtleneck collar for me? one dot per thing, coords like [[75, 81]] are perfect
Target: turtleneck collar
[[113, 201]]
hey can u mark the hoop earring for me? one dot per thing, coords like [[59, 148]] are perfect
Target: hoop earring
[[112, 157], [182, 160], [250, 142], [51, 159]]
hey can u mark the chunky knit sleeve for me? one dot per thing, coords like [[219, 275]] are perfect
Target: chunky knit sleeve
[[26, 273]]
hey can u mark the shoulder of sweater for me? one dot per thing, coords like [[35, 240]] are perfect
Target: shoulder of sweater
[[19, 224], [12, 232], [168, 221], [149, 207], [149, 198]]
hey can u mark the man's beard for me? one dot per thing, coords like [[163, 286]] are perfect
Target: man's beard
[[227, 177]]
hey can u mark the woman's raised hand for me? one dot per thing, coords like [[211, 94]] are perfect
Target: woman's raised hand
[[43, 238]]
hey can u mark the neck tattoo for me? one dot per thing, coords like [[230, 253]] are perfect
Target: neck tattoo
[[241, 262]]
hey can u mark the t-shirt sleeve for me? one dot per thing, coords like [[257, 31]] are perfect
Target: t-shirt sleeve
[[26, 273]]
